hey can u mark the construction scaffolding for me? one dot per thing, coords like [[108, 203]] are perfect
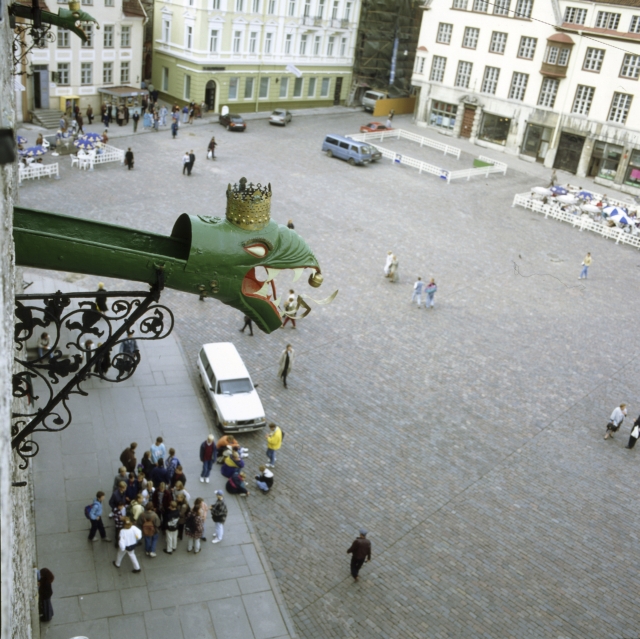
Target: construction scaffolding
[[386, 47]]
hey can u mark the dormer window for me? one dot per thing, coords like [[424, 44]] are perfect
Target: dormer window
[[556, 57]]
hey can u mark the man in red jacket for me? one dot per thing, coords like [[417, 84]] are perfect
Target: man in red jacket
[[207, 457]]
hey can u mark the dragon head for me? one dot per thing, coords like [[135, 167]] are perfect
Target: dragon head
[[236, 260]]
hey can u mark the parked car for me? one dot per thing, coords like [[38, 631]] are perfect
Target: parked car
[[280, 116], [236, 405], [370, 98], [232, 121], [350, 150], [372, 127]]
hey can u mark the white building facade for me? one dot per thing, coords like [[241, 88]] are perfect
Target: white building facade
[[69, 72], [552, 81]]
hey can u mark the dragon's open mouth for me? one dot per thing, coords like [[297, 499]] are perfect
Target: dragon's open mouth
[[260, 283]]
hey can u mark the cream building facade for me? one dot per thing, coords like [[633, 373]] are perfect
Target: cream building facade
[[254, 55], [69, 72], [552, 81]]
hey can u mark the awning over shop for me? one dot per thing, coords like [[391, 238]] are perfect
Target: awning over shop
[[123, 92]]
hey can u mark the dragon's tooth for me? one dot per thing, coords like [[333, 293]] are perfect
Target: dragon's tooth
[[264, 290], [271, 273], [298, 272]]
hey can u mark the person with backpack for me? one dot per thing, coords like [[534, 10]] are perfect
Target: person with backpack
[[219, 516], [172, 463], [149, 523], [128, 542], [170, 525], [274, 442], [194, 526], [95, 517], [237, 485], [232, 465]]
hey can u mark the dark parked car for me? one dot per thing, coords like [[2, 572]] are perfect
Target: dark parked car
[[233, 122]]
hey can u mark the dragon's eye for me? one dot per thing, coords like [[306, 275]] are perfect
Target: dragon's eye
[[257, 250]]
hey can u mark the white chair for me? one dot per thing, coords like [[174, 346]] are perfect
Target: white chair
[[74, 160]]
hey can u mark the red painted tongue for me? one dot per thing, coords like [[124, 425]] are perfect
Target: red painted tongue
[[250, 285]]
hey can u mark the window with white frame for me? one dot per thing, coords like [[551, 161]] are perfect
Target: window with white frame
[[481, 5], [563, 58], [420, 60], [470, 39], [297, 88], [523, 9], [317, 41], [165, 79], [607, 20], [324, 87], [548, 92], [303, 44], [582, 100], [237, 41], [248, 88], [239, 6], [107, 36], [320, 13], [634, 27], [233, 88], [527, 47], [188, 38], [109, 3], [166, 30], [87, 1], [620, 107], [552, 55], [88, 43], [263, 92], [444, 33], [573, 15], [334, 10], [593, 60], [214, 39], [292, 8], [498, 42], [330, 42], [124, 72], [501, 7], [438, 65], [460, 4], [256, 6], [284, 87], [125, 36], [343, 47], [518, 87], [307, 8], [490, 80], [271, 7], [630, 66], [311, 88], [63, 73], [253, 41], [107, 73], [288, 39], [347, 10], [63, 38], [463, 74], [268, 42], [215, 5], [187, 87], [86, 72]]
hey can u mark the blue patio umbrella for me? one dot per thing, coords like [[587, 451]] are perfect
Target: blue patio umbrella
[[21, 140], [83, 143], [620, 218], [558, 190], [35, 151], [614, 212], [585, 195], [94, 137]]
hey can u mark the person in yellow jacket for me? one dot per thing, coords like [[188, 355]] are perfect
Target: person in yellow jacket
[[274, 441]]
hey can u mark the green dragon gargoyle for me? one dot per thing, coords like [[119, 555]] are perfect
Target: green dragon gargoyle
[[234, 260]]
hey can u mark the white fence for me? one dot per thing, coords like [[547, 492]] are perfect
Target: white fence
[[407, 135], [89, 158], [35, 170], [621, 236]]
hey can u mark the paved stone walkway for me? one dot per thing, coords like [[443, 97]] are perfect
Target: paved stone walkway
[[467, 439]]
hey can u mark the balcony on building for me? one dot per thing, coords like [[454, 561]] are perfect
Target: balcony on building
[[556, 57]]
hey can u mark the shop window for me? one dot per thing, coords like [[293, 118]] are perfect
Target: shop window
[[494, 128], [606, 159], [443, 115], [632, 178]]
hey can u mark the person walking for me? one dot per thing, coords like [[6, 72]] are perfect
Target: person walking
[[247, 324], [192, 161], [170, 525], [393, 269], [128, 457], [185, 162], [635, 433], [101, 298], [286, 364], [43, 346], [207, 457], [194, 527], [158, 450], [129, 537], [554, 178], [174, 129], [95, 516], [163, 116], [136, 118], [211, 149], [615, 421], [290, 307], [274, 442], [360, 552], [45, 593], [586, 263], [219, 516], [387, 263], [429, 291], [129, 345], [90, 114], [416, 296], [80, 122], [149, 523], [128, 159]]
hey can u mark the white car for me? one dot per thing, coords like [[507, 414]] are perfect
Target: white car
[[236, 405], [280, 116]]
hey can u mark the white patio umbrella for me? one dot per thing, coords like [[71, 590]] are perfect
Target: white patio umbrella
[[541, 190], [567, 199], [590, 208]]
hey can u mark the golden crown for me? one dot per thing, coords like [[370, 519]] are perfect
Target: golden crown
[[249, 205]]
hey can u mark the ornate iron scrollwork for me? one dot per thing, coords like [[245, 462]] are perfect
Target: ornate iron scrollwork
[[94, 335]]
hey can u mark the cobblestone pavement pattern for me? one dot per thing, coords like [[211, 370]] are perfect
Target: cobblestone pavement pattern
[[467, 439]]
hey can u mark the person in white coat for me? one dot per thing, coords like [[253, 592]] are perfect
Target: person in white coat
[[616, 419], [129, 537], [387, 264], [417, 291]]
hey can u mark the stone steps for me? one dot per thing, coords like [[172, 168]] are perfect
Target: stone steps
[[48, 118]]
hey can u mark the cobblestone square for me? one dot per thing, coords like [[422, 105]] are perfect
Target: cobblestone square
[[468, 439]]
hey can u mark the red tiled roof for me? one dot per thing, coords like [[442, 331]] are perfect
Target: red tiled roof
[[560, 37]]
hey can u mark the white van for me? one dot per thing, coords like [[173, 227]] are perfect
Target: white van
[[370, 98], [226, 380]]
